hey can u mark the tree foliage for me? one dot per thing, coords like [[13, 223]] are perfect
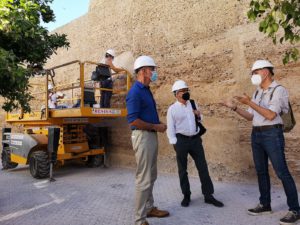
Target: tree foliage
[[25, 46], [280, 20]]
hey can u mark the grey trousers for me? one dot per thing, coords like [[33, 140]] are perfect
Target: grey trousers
[[145, 146]]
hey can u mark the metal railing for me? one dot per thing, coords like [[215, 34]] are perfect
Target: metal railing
[[80, 83]]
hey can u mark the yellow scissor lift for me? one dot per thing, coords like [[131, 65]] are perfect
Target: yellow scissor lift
[[71, 132]]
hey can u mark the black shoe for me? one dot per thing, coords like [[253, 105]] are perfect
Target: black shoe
[[186, 201], [260, 210], [211, 200], [290, 218]]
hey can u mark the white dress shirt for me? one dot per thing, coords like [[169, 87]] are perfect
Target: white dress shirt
[[278, 104], [181, 119]]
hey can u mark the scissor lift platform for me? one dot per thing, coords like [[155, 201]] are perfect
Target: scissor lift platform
[[82, 129]]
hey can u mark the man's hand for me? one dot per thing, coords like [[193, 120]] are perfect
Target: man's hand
[[245, 99], [160, 127], [228, 103], [197, 113]]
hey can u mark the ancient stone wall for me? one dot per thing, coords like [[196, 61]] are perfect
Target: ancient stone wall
[[208, 43]]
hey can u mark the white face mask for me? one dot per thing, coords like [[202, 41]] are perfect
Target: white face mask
[[256, 79]]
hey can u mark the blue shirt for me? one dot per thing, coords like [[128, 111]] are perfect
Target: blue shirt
[[141, 105]]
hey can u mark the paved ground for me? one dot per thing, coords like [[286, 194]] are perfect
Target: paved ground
[[90, 196]]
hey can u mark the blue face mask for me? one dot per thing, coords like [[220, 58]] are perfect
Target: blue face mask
[[154, 76]]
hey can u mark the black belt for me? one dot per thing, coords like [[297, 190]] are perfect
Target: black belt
[[266, 127], [187, 137], [143, 130]]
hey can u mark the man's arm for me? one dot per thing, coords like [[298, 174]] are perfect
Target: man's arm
[[116, 69], [171, 128], [140, 124], [133, 109], [267, 113], [243, 113]]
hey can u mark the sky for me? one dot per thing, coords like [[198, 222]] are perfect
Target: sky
[[67, 10]]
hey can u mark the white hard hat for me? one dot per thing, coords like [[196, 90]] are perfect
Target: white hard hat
[[260, 64], [143, 61], [178, 85], [111, 52], [50, 86]]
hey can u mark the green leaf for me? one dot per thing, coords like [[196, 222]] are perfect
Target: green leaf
[[256, 6], [275, 27], [251, 15], [262, 8], [263, 24], [269, 30]]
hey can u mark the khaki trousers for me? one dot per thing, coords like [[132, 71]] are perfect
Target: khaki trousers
[[145, 146]]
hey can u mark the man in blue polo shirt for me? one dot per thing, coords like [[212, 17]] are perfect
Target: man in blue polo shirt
[[143, 119]]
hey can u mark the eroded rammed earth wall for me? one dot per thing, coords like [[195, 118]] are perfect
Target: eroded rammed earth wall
[[207, 43]]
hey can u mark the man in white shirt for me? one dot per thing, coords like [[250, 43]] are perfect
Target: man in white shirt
[[267, 140], [53, 97], [183, 134]]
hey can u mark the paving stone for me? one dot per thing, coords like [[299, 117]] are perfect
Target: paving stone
[[105, 196]]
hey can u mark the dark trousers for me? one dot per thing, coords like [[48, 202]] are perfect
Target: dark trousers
[[192, 146], [269, 144], [106, 95]]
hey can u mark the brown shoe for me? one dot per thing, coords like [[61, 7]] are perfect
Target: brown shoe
[[145, 223], [155, 212]]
